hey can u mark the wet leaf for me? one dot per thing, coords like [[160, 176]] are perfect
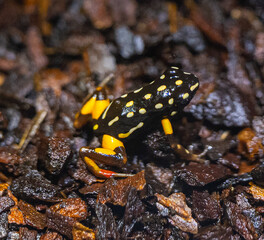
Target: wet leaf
[[250, 145], [106, 229], [34, 186], [116, 191], [25, 233], [81, 232], [200, 175], [31, 216], [49, 235], [72, 207], [205, 206], [180, 214], [16, 216], [256, 191]]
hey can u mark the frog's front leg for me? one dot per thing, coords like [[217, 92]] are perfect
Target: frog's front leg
[[93, 106], [112, 153], [179, 149]]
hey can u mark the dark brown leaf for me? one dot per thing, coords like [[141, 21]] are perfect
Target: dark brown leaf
[[205, 206], [31, 216], [180, 214], [116, 191], [73, 207], [200, 175]]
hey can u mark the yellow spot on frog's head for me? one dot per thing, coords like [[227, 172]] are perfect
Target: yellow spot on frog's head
[[186, 73], [95, 127], [142, 111], [158, 106], [130, 114], [185, 95], [162, 76], [130, 103], [194, 86], [187, 151], [175, 67], [138, 90], [173, 113], [147, 96], [171, 101], [161, 88], [113, 121], [151, 82], [123, 96], [178, 82]]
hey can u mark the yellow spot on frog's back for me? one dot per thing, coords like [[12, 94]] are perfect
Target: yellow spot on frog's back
[[113, 121], [130, 114], [125, 135], [178, 82], [95, 127], [130, 103], [175, 67], [147, 96], [173, 113], [166, 124], [194, 86], [158, 106], [162, 76], [161, 88], [171, 101], [138, 90], [123, 96], [142, 111], [185, 95]]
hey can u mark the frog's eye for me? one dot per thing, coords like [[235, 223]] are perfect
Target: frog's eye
[[171, 73], [173, 70]]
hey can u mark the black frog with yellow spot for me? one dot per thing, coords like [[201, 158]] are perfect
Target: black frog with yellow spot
[[129, 114]]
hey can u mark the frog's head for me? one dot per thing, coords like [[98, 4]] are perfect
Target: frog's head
[[183, 85]]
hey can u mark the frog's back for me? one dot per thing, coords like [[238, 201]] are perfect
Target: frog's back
[[161, 98]]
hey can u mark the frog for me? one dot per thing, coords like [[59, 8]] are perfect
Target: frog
[[118, 121]]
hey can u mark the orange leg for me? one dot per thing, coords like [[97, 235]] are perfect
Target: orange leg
[[93, 106], [179, 149], [112, 153]]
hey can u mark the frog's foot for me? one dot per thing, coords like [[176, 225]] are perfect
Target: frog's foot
[[103, 173], [203, 153], [185, 153], [178, 148], [112, 153]]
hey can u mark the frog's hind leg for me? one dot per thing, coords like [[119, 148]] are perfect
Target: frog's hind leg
[[112, 153], [93, 106], [178, 148]]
